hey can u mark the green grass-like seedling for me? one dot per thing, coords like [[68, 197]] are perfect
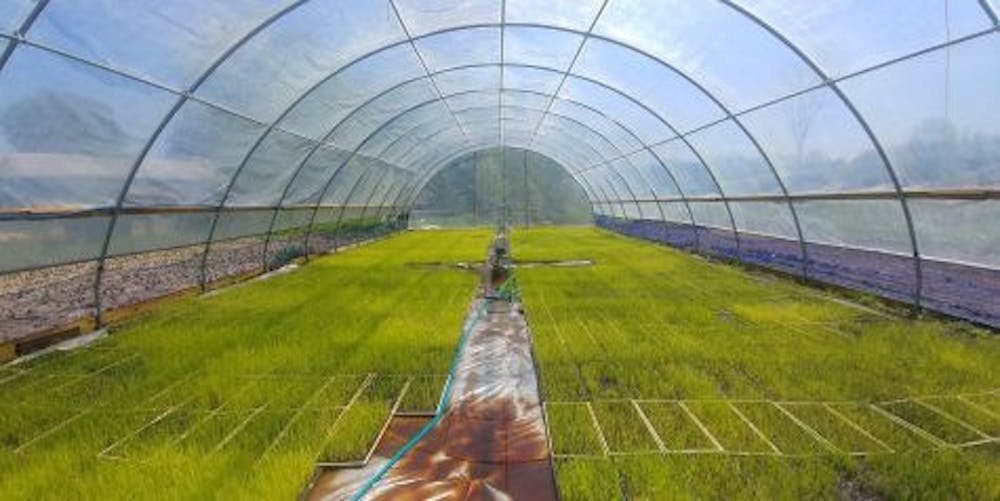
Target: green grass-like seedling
[[650, 323], [236, 395]]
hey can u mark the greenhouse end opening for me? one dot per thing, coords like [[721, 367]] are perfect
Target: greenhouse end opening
[[499, 249]]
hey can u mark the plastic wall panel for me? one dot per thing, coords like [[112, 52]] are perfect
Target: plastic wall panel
[[360, 189], [675, 31], [692, 176], [650, 211], [306, 187], [168, 42], [433, 115], [297, 52], [268, 170], [461, 79], [766, 218], [867, 224], [323, 235], [194, 159], [622, 168], [352, 86], [524, 99], [711, 214], [136, 233], [482, 98], [847, 36], [817, 146], [633, 211], [643, 124], [737, 164], [615, 186], [539, 80], [424, 16], [292, 219], [12, 14], [657, 181], [572, 14], [287, 239], [394, 106], [104, 120], [558, 125], [241, 223], [668, 94], [967, 231], [616, 132], [540, 47], [675, 212], [460, 48], [936, 115], [33, 243], [344, 181]]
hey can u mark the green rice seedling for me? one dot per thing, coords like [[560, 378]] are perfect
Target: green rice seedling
[[988, 402], [623, 427], [726, 426], [781, 430], [933, 474], [335, 393], [253, 435], [587, 479], [844, 435], [896, 437], [210, 433], [423, 394], [971, 414], [298, 435], [675, 427], [573, 430], [648, 322], [931, 422], [231, 383], [356, 431]]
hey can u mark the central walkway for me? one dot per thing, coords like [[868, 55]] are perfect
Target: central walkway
[[491, 443]]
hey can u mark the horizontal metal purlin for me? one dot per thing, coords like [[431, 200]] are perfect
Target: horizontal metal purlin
[[155, 85], [17, 215], [737, 113], [872, 195]]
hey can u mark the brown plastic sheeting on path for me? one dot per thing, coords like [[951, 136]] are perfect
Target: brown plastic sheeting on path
[[491, 444]]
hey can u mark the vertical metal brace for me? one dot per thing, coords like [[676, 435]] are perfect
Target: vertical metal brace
[[119, 201], [897, 186]]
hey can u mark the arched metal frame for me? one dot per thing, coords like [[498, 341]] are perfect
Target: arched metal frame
[[577, 122], [178, 104], [613, 122], [572, 173], [340, 168], [409, 194], [19, 38]]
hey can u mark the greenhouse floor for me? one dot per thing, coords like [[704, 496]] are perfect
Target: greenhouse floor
[[662, 374], [490, 441]]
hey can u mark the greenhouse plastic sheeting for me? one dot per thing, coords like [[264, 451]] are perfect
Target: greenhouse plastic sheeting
[[851, 142]]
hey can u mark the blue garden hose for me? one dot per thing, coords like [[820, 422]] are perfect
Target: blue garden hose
[[442, 408]]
